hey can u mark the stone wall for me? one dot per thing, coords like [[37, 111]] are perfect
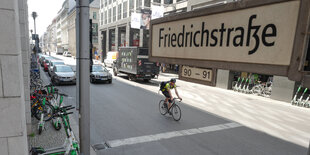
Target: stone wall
[[14, 76]]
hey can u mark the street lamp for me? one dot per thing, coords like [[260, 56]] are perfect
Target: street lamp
[[34, 16], [31, 31]]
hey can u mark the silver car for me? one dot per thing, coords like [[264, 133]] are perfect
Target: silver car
[[63, 74], [52, 64], [100, 74]]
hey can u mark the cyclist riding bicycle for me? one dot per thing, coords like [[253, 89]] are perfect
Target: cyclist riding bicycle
[[166, 90]]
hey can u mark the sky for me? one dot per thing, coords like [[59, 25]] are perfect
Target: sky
[[46, 11]]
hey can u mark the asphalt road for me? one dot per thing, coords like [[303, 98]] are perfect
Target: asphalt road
[[121, 112], [126, 119]]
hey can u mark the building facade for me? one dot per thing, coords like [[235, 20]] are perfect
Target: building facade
[[51, 37], [14, 77], [115, 29], [71, 28], [61, 28]]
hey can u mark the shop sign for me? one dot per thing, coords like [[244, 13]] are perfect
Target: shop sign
[[135, 20], [157, 11], [197, 73]]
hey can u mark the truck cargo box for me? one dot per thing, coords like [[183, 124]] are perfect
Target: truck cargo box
[[134, 62]]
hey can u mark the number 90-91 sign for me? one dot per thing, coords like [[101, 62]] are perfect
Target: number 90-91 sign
[[197, 73]]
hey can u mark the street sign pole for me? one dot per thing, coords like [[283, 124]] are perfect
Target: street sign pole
[[83, 90], [309, 149]]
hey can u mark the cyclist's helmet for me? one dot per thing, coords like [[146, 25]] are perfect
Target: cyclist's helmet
[[173, 80]]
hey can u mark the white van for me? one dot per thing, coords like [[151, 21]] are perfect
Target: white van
[[111, 56]]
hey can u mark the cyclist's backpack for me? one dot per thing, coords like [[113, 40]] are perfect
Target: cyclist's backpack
[[162, 85]]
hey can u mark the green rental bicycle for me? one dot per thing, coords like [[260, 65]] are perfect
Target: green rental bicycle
[[42, 110]]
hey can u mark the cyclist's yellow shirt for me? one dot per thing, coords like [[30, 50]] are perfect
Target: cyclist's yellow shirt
[[168, 86]]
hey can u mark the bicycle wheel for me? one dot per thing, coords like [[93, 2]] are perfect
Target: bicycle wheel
[[162, 108], [40, 130], [48, 111], [234, 86], [256, 90], [176, 112]]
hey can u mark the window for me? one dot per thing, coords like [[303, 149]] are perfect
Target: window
[[119, 12], [147, 3], [110, 1], [101, 18], [109, 16], [95, 33], [168, 1], [94, 15], [114, 13], [125, 9], [105, 2], [131, 5], [137, 4], [157, 1], [105, 17]]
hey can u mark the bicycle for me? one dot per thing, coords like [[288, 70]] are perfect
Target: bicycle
[[174, 109], [70, 146], [262, 89], [42, 110]]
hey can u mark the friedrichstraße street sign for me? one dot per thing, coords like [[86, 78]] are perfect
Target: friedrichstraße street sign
[[250, 35]]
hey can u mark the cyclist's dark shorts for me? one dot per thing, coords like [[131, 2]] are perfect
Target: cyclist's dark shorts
[[166, 93]]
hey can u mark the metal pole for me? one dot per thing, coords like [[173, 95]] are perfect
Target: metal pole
[[34, 19], [83, 91], [308, 149]]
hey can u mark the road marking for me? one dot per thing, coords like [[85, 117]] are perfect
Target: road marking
[[168, 135]]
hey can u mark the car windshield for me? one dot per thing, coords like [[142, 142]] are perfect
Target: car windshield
[[58, 63], [99, 69], [64, 69]]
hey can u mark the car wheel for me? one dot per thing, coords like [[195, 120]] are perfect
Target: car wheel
[[146, 80], [110, 81], [54, 82], [91, 80]]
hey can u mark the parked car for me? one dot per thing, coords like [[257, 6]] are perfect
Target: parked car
[[41, 58], [52, 64], [62, 74], [100, 74], [67, 54], [46, 63], [39, 55]]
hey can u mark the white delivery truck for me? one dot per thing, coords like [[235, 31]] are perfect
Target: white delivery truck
[[111, 56]]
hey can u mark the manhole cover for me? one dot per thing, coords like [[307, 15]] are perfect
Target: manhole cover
[[101, 146]]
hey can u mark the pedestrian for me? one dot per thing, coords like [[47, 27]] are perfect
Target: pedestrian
[[96, 54], [176, 68], [164, 68]]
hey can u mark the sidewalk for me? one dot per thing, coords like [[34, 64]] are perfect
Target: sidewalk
[[50, 137], [279, 119]]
